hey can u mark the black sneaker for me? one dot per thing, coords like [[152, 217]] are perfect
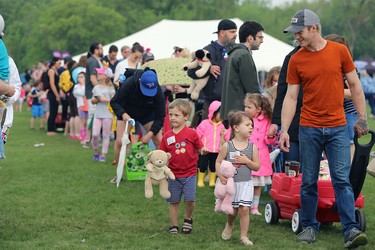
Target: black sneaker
[[355, 238], [307, 235]]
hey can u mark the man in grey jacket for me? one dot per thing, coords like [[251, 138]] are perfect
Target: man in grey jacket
[[240, 75]]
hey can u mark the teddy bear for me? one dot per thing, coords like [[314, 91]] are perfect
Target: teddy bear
[[199, 71], [157, 173], [225, 193]]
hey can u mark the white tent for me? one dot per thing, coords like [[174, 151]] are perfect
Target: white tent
[[164, 35]]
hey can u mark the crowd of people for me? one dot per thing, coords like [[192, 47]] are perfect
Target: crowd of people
[[241, 119]]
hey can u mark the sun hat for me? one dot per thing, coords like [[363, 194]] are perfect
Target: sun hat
[[149, 83], [104, 71], [302, 19]]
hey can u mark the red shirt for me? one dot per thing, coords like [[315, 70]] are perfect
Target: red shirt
[[183, 148]]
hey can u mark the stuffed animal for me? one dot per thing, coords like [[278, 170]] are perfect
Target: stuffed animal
[[199, 71], [157, 173], [225, 193]]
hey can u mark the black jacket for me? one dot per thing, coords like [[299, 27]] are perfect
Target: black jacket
[[212, 90], [129, 99], [281, 92]]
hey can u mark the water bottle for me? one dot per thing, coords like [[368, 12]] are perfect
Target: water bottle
[[122, 78]]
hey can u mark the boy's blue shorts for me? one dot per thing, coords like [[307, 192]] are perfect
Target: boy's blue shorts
[[37, 111], [185, 186]]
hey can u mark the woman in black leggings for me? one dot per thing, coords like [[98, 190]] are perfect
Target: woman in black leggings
[[53, 95]]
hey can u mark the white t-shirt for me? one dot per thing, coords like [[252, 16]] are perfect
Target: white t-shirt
[[101, 109], [120, 69]]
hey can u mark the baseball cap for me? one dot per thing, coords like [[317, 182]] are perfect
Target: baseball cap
[[226, 24], [149, 83], [302, 19], [104, 71], [2, 25]]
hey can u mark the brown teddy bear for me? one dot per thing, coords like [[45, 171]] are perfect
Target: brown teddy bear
[[225, 193], [199, 71], [157, 173]]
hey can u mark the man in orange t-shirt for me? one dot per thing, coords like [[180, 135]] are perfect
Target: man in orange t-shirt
[[318, 68]]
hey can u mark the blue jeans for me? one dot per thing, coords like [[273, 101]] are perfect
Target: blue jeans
[[335, 142], [351, 119], [371, 102]]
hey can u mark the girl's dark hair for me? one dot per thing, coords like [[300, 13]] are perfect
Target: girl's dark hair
[[53, 61], [215, 113], [71, 64], [138, 48], [93, 47], [235, 118], [260, 101]]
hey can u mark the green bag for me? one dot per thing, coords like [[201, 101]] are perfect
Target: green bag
[[136, 162]]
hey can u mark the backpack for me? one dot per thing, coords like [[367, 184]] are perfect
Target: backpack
[[45, 80], [65, 82]]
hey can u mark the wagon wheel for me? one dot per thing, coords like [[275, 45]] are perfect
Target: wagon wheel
[[271, 212], [360, 217], [296, 221]]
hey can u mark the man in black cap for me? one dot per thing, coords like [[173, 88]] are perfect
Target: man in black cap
[[318, 69], [226, 31]]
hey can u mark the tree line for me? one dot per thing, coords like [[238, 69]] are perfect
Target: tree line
[[35, 28]]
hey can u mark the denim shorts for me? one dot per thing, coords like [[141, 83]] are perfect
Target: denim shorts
[[37, 111], [185, 186]]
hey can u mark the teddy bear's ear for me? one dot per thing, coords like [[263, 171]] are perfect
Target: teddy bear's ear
[[169, 156], [149, 154], [199, 53], [208, 55]]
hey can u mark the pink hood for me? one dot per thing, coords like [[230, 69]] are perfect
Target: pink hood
[[213, 107]]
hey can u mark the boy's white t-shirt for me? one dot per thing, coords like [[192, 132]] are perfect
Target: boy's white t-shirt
[[101, 109]]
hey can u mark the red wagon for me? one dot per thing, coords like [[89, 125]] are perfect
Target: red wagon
[[285, 191]]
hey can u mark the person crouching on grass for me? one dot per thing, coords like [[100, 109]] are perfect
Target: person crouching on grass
[[182, 143]]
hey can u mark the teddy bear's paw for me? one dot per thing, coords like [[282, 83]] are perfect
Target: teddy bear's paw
[[194, 96], [149, 194]]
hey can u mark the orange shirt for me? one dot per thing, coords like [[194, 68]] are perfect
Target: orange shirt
[[320, 74]]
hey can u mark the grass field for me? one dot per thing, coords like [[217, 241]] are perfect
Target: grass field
[[56, 197]]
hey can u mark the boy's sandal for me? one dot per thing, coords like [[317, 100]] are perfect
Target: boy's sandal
[[173, 229], [187, 227], [227, 232], [245, 240]]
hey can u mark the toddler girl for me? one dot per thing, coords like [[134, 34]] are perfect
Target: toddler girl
[[259, 109], [244, 155], [211, 131], [102, 94], [82, 105]]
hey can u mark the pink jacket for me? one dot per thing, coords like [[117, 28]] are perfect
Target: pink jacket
[[259, 138], [209, 132]]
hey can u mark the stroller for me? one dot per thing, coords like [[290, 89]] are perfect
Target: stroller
[[285, 191]]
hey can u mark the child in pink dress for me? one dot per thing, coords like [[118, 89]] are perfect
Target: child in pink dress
[[259, 108]]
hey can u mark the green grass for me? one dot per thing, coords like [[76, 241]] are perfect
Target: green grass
[[56, 197]]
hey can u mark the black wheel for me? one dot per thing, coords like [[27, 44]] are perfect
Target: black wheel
[[297, 222], [271, 212], [360, 217]]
